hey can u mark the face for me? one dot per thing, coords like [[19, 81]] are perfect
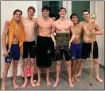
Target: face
[[74, 19], [62, 13], [86, 15], [17, 16], [30, 13], [45, 13]]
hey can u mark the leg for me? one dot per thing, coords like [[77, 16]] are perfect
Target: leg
[[4, 75], [96, 65], [76, 70], [96, 61], [86, 48], [58, 66], [15, 65], [73, 69], [47, 77], [32, 71], [68, 64], [39, 76], [25, 72], [81, 67], [35, 73]]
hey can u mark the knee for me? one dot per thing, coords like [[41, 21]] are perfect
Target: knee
[[6, 68], [96, 61], [25, 63], [83, 60], [15, 65], [68, 64]]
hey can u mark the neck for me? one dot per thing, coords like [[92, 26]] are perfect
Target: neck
[[62, 18], [45, 17], [87, 20], [17, 22], [30, 18], [75, 24]]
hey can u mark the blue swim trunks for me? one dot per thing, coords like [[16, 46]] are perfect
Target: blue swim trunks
[[76, 50], [13, 54]]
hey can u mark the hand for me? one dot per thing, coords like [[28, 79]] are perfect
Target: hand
[[5, 54], [93, 32], [69, 45], [7, 23], [55, 44]]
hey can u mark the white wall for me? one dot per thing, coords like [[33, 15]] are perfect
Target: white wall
[[7, 8], [68, 6], [99, 9]]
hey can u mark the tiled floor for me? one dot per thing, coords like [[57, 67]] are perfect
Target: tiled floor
[[63, 85]]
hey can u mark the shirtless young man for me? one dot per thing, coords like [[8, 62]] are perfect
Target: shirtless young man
[[29, 46], [12, 48], [76, 47], [63, 29], [89, 29], [45, 44]]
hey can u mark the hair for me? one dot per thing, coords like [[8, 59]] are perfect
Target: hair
[[45, 8], [31, 7], [52, 15], [62, 8], [86, 11], [17, 10], [73, 15]]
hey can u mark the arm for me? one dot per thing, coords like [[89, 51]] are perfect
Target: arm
[[52, 33], [4, 34], [36, 25], [98, 30], [73, 33]]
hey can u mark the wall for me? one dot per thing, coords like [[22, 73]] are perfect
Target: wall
[[7, 8]]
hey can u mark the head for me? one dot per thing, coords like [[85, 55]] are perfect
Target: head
[[74, 18], [86, 14], [31, 11], [45, 11], [17, 14], [62, 12]]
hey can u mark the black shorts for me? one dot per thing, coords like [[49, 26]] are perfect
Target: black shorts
[[29, 49], [45, 47], [63, 52], [86, 49]]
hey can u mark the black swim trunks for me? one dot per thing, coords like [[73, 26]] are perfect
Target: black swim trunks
[[29, 49], [86, 49], [45, 48]]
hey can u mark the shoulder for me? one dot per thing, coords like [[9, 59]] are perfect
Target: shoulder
[[54, 23], [70, 23], [38, 19], [81, 23]]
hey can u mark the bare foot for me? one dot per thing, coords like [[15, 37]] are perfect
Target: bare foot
[[77, 80], [99, 79], [78, 75], [38, 84], [71, 84], [32, 83], [55, 84], [73, 80], [48, 83], [24, 84], [15, 86], [3, 87]]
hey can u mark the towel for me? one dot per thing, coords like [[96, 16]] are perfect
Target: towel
[[12, 32]]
